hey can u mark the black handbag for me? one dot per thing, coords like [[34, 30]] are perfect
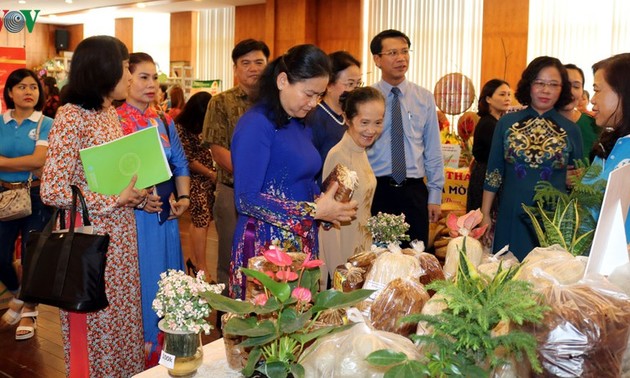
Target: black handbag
[[66, 268]]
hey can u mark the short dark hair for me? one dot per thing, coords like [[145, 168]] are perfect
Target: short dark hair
[[137, 58], [572, 66], [95, 70], [616, 70], [246, 46], [523, 89], [192, 116], [350, 101], [341, 60], [14, 79], [300, 63], [483, 108], [376, 45]]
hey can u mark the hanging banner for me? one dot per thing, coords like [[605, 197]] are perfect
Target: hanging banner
[[211, 86], [11, 58]]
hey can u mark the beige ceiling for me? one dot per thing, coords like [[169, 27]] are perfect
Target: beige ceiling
[[75, 13]]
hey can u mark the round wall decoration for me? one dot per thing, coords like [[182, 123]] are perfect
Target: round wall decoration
[[454, 93]]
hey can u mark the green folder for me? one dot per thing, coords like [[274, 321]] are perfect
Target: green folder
[[110, 166]]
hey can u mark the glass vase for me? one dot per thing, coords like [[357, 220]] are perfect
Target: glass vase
[[186, 349]]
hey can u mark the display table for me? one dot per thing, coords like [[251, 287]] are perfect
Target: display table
[[214, 364]]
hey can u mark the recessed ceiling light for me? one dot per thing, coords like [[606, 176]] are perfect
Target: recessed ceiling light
[[141, 5], [22, 1], [68, 1]]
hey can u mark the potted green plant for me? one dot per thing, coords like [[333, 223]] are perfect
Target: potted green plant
[[281, 320]]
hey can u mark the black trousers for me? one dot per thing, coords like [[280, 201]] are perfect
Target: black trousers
[[411, 198]]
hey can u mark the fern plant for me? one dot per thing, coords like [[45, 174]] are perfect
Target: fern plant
[[463, 342]]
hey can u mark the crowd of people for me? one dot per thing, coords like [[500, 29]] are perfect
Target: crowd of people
[[252, 159]]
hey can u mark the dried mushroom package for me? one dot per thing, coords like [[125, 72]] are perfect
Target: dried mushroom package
[[401, 297], [586, 331], [387, 267], [347, 179]]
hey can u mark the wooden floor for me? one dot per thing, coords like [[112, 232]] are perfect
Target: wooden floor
[[42, 356]]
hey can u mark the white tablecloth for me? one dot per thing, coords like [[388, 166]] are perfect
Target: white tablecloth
[[214, 364]]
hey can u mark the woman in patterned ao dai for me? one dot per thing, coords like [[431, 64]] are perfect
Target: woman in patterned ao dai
[[105, 343], [275, 164], [530, 145], [159, 245], [364, 109]]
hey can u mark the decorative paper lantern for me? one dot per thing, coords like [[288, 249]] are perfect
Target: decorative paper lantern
[[454, 93]]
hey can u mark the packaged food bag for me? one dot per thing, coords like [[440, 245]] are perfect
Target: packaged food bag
[[343, 354], [550, 265], [348, 277], [401, 297], [430, 267], [586, 331], [387, 267], [465, 234], [348, 181]]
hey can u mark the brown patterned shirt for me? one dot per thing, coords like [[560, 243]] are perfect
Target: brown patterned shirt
[[224, 110]]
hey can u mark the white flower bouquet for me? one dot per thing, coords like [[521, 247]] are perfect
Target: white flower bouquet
[[179, 302], [388, 228]]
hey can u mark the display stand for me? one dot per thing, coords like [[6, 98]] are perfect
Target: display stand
[[609, 249]]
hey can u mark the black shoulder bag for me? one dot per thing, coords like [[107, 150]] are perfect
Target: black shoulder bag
[[66, 268]]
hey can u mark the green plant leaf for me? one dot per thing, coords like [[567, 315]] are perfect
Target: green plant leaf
[[568, 223], [310, 280], [297, 370], [583, 243], [554, 235], [249, 327], [225, 304], [258, 341], [386, 357], [252, 360], [280, 290], [272, 305], [539, 231], [276, 369], [290, 321], [407, 370], [331, 299]]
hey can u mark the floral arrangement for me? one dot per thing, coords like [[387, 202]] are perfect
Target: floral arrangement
[[278, 322], [180, 303], [388, 228], [466, 225]]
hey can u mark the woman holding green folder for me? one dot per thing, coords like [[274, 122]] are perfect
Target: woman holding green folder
[[159, 246]]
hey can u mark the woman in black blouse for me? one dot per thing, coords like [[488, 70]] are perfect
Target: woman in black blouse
[[494, 101]]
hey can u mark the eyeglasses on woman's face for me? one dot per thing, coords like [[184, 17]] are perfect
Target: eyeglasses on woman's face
[[542, 84], [352, 84]]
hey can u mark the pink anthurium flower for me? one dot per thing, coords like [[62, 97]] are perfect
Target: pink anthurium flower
[[277, 257], [465, 225], [301, 294], [309, 264], [286, 275], [260, 299]]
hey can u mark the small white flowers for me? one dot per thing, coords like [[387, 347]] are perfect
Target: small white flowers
[[388, 228], [178, 301]]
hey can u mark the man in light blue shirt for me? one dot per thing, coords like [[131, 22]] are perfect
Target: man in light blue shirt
[[422, 156]]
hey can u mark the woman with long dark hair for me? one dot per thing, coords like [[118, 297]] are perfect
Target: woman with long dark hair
[[611, 108], [275, 164], [105, 343], [494, 100], [203, 177]]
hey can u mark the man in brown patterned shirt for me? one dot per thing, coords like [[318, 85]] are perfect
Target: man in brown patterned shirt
[[250, 58]]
